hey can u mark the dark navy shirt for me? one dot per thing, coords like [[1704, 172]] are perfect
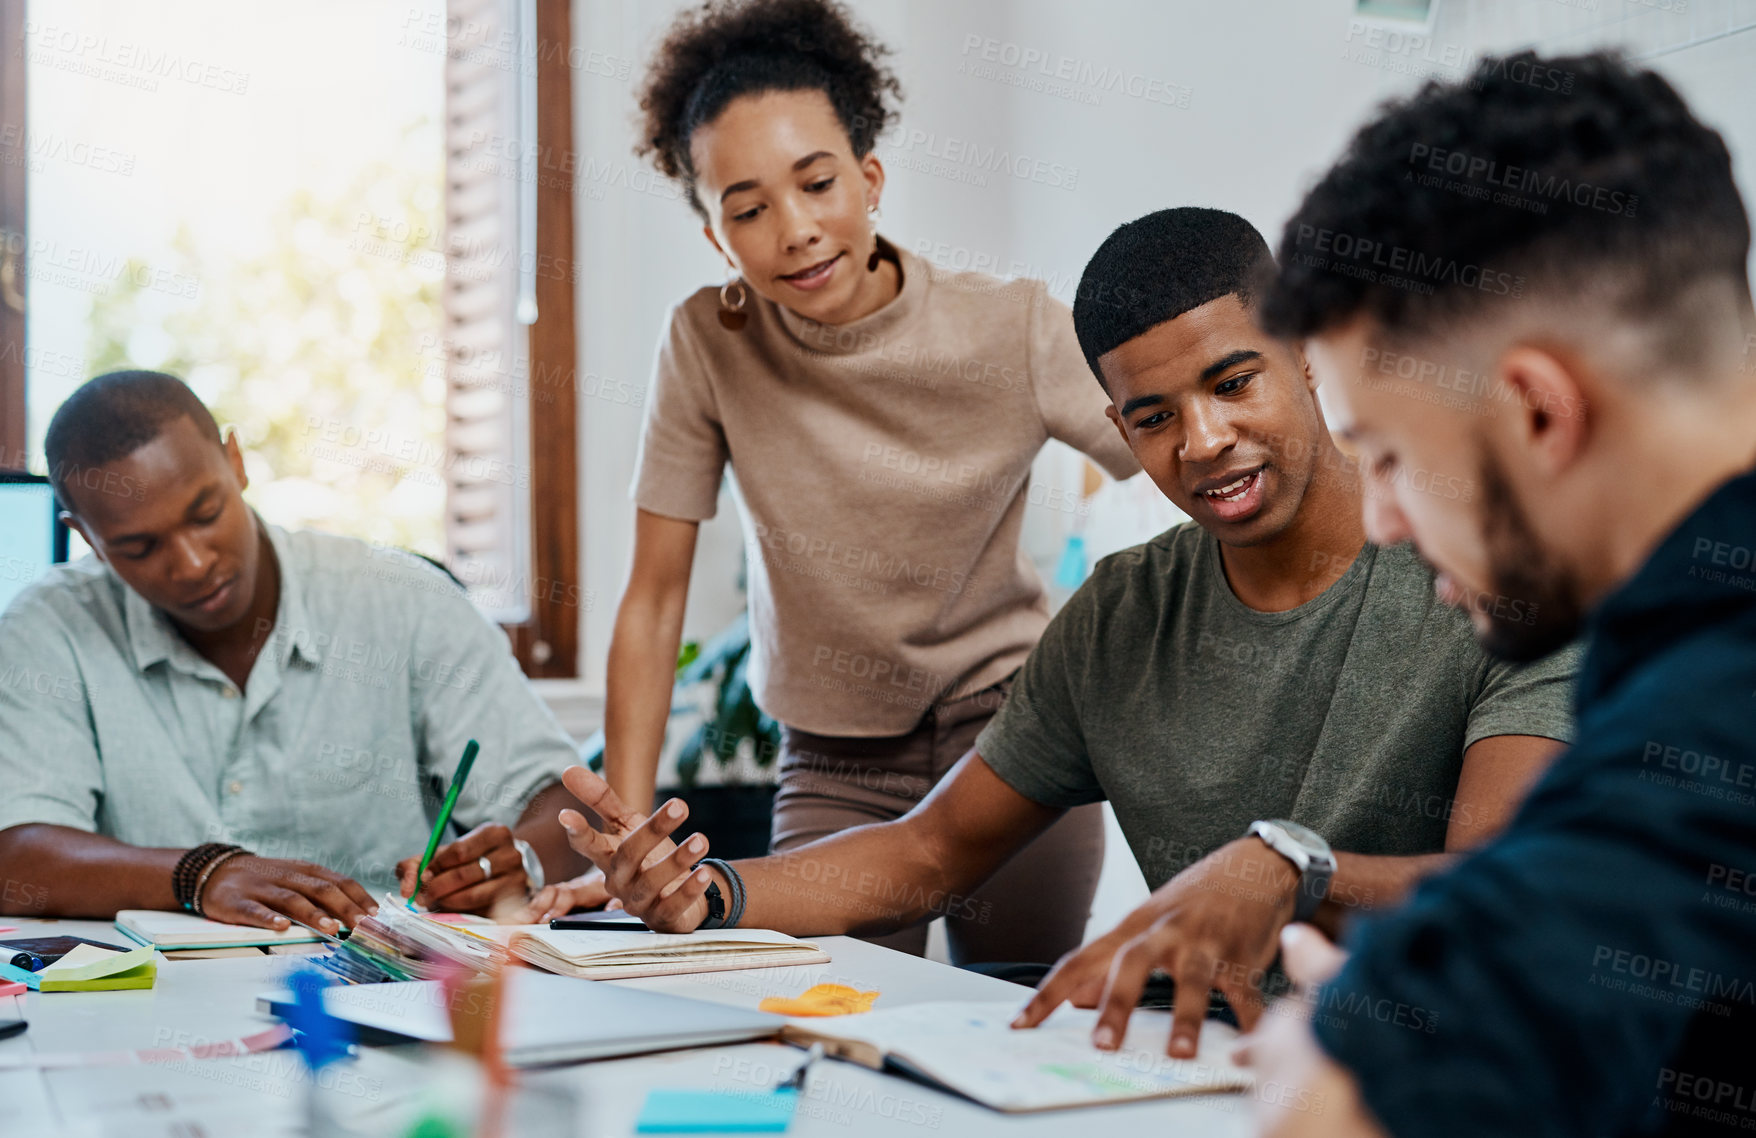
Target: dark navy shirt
[[1593, 971]]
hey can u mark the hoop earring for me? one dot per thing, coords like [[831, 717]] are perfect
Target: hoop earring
[[732, 317]]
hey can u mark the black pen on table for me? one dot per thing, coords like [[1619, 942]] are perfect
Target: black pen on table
[[596, 925]]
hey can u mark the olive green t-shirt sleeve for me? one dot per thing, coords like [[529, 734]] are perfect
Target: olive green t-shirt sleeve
[[1525, 699], [1036, 743]]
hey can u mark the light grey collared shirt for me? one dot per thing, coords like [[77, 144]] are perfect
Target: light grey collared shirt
[[338, 750]]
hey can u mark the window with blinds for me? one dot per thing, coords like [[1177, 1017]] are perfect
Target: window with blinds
[[488, 301]]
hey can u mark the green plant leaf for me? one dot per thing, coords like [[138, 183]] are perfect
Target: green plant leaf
[[728, 642], [768, 740]]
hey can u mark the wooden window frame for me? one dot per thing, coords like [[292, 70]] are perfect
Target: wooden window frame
[[14, 244]]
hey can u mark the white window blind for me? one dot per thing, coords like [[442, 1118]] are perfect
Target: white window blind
[[487, 302]]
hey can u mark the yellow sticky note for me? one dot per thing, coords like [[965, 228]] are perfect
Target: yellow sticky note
[[821, 1000], [89, 968]]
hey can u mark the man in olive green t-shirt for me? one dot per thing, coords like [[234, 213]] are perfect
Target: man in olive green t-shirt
[[1195, 714], [1259, 664]]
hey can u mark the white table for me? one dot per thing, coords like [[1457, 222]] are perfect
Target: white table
[[262, 1095]]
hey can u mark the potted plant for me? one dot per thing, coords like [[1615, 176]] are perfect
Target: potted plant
[[733, 744]]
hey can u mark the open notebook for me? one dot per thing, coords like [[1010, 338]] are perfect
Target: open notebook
[[396, 943], [971, 1050], [593, 955]]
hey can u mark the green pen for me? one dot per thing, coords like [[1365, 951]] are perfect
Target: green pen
[[457, 781]]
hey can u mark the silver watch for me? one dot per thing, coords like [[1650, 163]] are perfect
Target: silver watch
[[533, 865], [1310, 855]]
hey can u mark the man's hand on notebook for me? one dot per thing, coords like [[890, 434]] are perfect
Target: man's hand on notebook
[[643, 869], [457, 881], [266, 891], [1212, 926]]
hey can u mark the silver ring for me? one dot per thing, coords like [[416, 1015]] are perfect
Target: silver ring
[[487, 868]]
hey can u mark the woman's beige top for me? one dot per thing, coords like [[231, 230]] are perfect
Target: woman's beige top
[[884, 471]]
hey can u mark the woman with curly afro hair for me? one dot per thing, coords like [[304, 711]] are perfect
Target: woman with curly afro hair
[[880, 416]]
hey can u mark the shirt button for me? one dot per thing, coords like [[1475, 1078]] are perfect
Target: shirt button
[[230, 692], [236, 787]]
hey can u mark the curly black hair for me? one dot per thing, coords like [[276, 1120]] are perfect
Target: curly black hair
[[726, 48], [1568, 173], [1157, 267]]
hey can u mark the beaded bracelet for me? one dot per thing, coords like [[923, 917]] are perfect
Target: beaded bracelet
[[188, 870], [207, 872]]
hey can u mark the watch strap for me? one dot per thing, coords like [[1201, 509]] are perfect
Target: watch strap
[[1316, 867], [534, 877], [1313, 888], [722, 912], [716, 908]]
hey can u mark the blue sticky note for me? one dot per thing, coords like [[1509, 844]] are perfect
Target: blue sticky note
[[717, 1112]]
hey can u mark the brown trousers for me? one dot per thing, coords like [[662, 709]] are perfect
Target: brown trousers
[[1033, 909]]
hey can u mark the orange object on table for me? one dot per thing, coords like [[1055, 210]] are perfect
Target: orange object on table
[[821, 1000]]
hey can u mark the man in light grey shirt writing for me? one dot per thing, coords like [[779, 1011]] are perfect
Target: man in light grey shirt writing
[[217, 715]]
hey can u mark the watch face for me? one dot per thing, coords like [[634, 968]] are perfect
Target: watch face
[[1310, 839]]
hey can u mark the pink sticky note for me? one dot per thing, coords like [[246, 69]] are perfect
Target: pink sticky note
[[13, 988]]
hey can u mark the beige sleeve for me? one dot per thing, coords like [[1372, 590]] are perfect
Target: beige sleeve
[[682, 446], [1069, 398]]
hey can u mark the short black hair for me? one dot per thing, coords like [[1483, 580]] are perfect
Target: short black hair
[[111, 417], [1158, 267], [1569, 173], [723, 49]]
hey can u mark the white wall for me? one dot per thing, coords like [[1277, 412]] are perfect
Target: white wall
[[1272, 91], [1249, 134]]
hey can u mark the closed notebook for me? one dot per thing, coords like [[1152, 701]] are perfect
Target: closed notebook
[[972, 1050], [185, 930], [545, 1019], [592, 955]]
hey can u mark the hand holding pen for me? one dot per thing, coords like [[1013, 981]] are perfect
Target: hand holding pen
[[470, 874]]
